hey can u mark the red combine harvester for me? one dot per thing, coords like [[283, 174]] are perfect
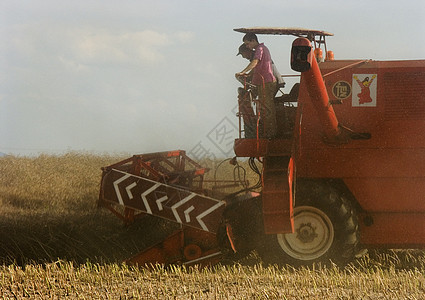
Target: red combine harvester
[[346, 171]]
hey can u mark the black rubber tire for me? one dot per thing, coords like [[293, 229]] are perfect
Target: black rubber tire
[[326, 229], [243, 214]]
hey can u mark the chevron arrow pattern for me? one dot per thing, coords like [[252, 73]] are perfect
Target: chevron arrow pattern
[[162, 200]]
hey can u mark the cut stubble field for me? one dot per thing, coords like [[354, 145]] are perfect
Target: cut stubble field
[[55, 242]]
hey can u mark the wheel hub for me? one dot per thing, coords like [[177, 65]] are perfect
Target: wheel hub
[[312, 237], [306, 233]]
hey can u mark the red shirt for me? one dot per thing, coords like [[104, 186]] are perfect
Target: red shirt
[[263, 69]]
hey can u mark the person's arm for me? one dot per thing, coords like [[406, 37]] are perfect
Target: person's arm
[[277, 74], [251, 66]]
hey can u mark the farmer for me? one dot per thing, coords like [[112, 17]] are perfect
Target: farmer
[[264, 80]]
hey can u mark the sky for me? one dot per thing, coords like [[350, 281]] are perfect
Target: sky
[[137, 76]]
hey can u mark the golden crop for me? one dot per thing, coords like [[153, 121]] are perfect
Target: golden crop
[[55, 243]]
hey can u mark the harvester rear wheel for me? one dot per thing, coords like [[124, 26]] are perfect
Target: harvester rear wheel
[[325, 229]]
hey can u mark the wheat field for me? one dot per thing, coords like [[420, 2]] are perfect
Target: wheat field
[[56, 243]]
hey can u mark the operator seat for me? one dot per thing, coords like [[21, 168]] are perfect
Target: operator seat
[[291, 97]]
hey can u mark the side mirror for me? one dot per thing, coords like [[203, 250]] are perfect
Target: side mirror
[[301, 55]]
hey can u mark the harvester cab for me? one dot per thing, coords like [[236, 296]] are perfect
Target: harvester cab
[[327, 185]]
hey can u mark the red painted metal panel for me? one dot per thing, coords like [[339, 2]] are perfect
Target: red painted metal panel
[[386, 173], [389, 194], [162, 200], [394, 230], [277, 202]]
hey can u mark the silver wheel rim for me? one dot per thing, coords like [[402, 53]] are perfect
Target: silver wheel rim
[[313, 234]]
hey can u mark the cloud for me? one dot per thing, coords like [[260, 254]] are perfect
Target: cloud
[[88, 45], [137, 47], [130, 47], [184, 36]]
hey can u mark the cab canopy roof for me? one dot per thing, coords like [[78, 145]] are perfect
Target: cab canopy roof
[[299, 32]]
